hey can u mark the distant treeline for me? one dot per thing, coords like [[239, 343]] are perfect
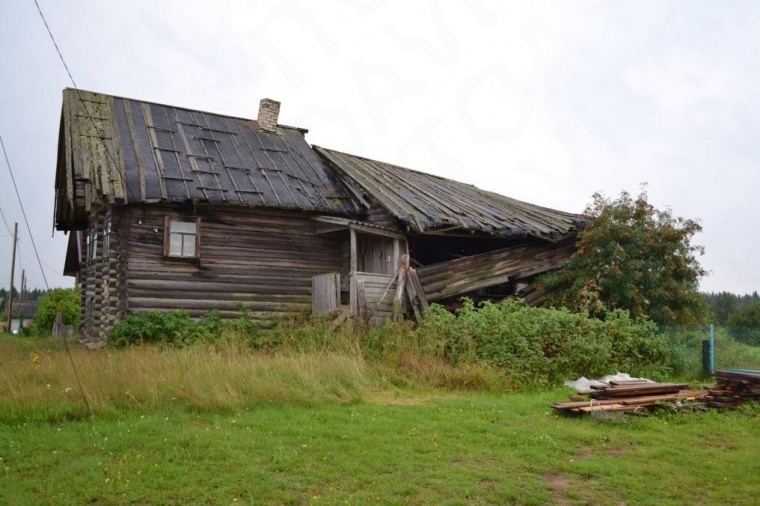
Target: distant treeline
[[725, 304], [31, 295]]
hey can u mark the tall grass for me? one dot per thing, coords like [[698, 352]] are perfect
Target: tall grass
[[214, 365], [38, 379]]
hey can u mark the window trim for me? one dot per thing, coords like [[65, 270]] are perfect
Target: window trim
[[91, 245], [167, 237], [107, 236]]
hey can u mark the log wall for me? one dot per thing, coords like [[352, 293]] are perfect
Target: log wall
[[102, 279], [262, 258]]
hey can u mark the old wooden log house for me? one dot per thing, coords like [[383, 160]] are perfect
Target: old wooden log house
[[170, 208]]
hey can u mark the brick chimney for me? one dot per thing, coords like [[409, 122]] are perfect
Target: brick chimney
[[269, 110]]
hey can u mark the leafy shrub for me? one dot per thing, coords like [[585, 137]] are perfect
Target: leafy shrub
[[538, 347], [174, 328]]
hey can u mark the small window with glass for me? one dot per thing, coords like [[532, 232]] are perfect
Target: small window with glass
[[182, 238]]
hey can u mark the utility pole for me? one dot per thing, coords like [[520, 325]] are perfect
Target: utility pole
[[22, 292], [13, 268]]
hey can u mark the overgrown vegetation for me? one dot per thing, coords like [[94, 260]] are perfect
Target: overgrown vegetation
[[501, 346], [632, 256], [539, 347]]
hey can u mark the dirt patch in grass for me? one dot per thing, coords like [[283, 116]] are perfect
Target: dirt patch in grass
[[386, 398], [558, 484]]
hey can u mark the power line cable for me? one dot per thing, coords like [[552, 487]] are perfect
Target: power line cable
[[110, 156], [2, 214], [23, 212], [55, 44], [55, 270]]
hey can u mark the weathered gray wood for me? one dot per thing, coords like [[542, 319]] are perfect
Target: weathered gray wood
[[463, 275], [417, 298], [373, 302], [325, 293], [364, 228], [400, 284], [354, 252], [419, 290]]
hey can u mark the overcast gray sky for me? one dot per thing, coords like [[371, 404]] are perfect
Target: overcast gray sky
[[547, 102]]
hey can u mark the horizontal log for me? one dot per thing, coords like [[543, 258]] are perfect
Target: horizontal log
[[219, 290], [211, 282], [226, 275], [208, 305], [171, 295]]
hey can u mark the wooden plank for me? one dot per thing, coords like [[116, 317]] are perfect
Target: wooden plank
[[579, 404], [615, 383], [418, 289], [325, 293], [651, 388], [737, 375]]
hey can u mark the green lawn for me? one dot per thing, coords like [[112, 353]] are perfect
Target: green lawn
[[390, 447], [225, 425]]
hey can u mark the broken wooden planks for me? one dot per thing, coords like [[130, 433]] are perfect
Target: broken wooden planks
[[733, 387], [631, 396]]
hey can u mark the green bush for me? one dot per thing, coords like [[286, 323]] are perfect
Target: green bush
[[173, 328], [538, 347], [58, 300]]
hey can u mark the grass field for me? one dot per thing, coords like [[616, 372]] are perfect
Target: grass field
[[222, 427]]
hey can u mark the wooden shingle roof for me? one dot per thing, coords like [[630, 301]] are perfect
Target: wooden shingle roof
[[127, 151], [123, 151], [424, 203]]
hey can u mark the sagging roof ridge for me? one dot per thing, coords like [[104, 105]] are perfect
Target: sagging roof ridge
[[433, 202]]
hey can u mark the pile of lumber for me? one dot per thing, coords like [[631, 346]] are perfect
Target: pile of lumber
[[630, 396], [733, 387]]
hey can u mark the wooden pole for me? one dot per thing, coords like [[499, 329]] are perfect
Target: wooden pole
[[399, 298], [13, 269]]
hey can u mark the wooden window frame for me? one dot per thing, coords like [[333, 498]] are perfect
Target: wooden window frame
[[167, 236], [91, 245], [106, 236]]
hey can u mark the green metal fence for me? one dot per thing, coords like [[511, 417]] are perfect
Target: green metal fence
[[706, 348]]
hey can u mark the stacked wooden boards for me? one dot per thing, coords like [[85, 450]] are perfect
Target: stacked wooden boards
[[630, 396], [733, 387]]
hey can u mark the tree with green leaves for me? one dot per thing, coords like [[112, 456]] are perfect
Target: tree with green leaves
[[632, 256], [58, 300]]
